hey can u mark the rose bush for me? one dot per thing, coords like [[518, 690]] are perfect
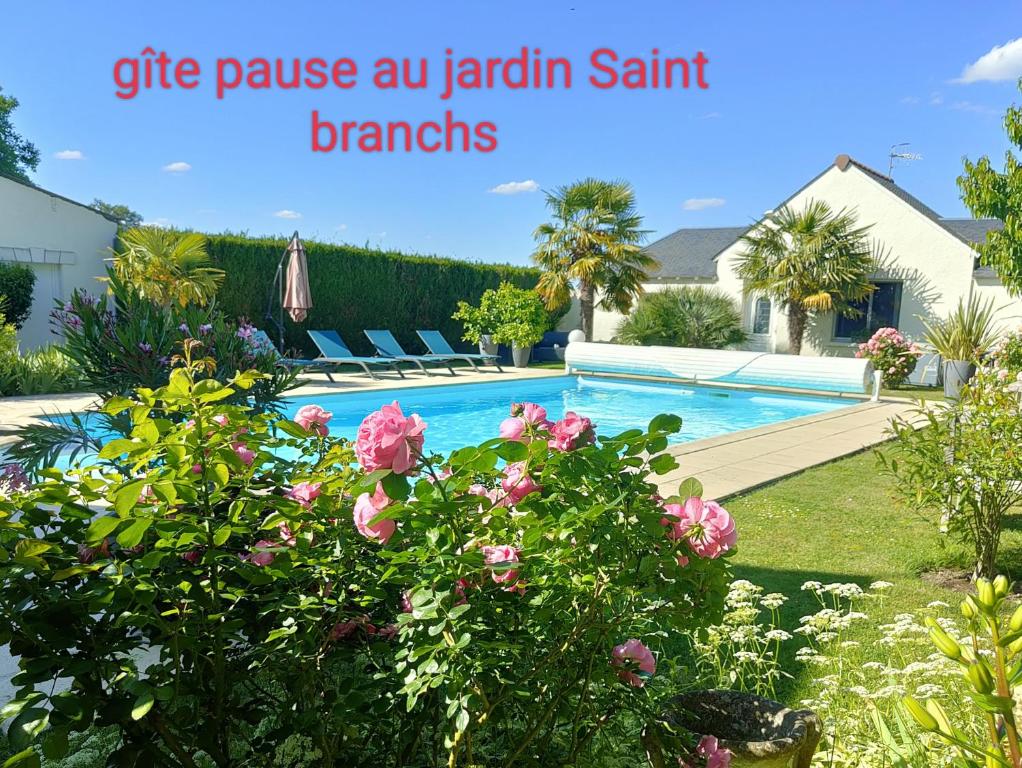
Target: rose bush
[[218, 603], [891, 354]]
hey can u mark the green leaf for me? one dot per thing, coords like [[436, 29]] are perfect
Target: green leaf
[[663, 463], [131, 535], [665, 422], [395, 486], [27, 758], [31, 548], [116, 448], [690, 487], [26, 726], [126, 497], [222, 534], [512, 451], [221, 474], [289, 427], [143, 704], [100, 528], [55, 743]]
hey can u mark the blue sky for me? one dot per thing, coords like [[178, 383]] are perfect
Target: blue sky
[[791, 85]]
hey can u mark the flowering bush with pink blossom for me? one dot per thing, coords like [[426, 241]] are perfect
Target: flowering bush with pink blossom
[[892, 354], [508, 603]]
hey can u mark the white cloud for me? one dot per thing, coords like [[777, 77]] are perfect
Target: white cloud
[[710, 116], [702, 203], [340, 227], [910, 99], [515, 187], [286, 214], [178, 167], [936, 99], [980, 109], [69, 154], [1002, 62], [160, 222]]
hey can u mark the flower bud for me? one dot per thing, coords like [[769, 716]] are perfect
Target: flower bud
[[935, 709], [945, 643], [1001, 585], [1015, 623], [985, 593], [920, 714], [969, 608], [980, 677]]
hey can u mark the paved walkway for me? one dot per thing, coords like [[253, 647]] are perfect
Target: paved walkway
[[740, 461]]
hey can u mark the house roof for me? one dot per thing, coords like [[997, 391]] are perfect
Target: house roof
[[692, 253], [37, 188]]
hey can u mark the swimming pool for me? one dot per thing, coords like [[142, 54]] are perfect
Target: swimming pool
[[465, 414]]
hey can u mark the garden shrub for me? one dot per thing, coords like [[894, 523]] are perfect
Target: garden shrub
[[891, 354], [357, 288], [510, 315], [233, 588], [44, 371], [17, 283], [689, 316], [962, 461]]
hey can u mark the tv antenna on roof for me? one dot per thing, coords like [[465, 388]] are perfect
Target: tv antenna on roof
[[898, 153]]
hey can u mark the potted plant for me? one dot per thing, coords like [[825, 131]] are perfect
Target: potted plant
[[961, 340], [478, 327], [521, 319]]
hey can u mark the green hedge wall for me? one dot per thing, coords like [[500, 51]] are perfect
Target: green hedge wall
[[357, 288]]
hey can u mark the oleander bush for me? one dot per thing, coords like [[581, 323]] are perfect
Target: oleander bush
[[355, 288], [225, 587]]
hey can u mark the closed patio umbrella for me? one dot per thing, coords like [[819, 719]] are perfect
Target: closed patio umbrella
[[297, 296]]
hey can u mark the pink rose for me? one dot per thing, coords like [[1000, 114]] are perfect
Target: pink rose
[[571, 432], [193, 556], [259, 554], [406, 602], [366, 508], [635, 662], [525, 420], [312, 418], [221, 420], [707, 526], [87, 554], [387, 439], [716, 757], [305, 493], [517, 483], [502, 555], [243, 452]]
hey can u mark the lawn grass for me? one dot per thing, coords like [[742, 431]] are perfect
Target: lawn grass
[[842, 523], [914, 392]]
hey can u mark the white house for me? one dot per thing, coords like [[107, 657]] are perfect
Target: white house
[[64, 242], [931, 265]]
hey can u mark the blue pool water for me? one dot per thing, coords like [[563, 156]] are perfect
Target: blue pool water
[[465, 414], [468, 414]]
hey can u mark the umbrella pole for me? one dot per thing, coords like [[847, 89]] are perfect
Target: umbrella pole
[[278, 288]]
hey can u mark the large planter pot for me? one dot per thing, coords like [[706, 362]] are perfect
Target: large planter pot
[[521, 355], [758, 732], [957, 373], [487, 346]]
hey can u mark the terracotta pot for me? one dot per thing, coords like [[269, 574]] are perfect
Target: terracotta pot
[[758, 732]]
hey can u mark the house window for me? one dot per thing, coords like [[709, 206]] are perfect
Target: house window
[[878, 310], [761, 316]]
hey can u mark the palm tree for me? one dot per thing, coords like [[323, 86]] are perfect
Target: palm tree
[[167, 267], [688, 316], [593, 244], [811, 260]]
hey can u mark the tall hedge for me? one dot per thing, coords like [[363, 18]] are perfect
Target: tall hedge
[[357, 288], [17, 283]]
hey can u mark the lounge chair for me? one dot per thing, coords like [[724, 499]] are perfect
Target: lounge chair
[[260, 341], [334, 351], [438, 345], [388, 348]]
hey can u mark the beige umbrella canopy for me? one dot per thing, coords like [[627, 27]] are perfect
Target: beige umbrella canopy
[[297, 296]]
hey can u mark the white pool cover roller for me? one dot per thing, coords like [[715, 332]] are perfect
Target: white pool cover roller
[[824, 374]]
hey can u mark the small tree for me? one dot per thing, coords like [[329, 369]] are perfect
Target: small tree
[[167, 267], [813, 260], [18, 156], [126, 218], [17, 284], [988, 193]]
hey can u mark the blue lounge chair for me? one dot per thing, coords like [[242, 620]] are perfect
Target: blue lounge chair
[[438, 345], [334, 351], [388, 347], [261, 342]]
